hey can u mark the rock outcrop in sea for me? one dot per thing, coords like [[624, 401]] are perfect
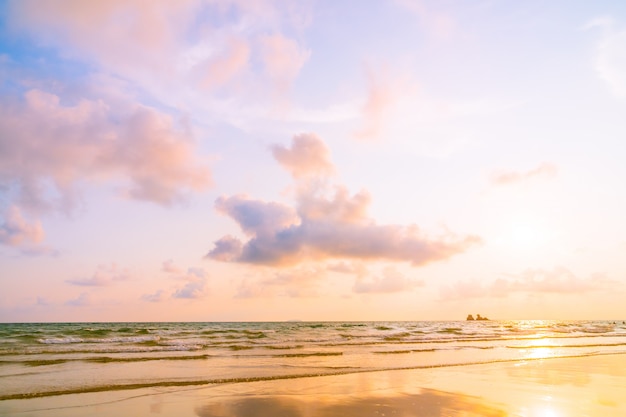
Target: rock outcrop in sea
[[478, 317]]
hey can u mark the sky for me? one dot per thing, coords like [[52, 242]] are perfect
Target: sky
[[268, 160]]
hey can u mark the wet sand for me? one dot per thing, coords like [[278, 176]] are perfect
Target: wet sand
[[585, 386]]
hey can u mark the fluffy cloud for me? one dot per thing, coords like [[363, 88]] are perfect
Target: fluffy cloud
[[105, 275], [335, 236], [307, 156], [17, 231], [544, 170], [391, 281], [325, 227], [46, 142], [558, 280], [257, 218]]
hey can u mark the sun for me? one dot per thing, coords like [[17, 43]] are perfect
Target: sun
[[525, 235]]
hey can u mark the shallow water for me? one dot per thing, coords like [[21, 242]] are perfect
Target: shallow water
[[61, 358]]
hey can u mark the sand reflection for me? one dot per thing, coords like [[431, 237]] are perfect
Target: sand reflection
[[426, 403]]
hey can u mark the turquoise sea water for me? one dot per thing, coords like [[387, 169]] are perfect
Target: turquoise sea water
[[46, 359]]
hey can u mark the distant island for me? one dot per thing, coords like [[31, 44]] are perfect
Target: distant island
[[478, 317]]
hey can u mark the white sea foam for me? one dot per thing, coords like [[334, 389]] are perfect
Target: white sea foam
[[61, 340]]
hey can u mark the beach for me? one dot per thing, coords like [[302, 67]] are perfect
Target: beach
[[584, 386], [491, 368]]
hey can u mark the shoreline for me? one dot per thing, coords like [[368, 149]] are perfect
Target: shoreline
[[562, 386], [221, 381]]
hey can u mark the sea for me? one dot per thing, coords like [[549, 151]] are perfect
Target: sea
[[51, 359]]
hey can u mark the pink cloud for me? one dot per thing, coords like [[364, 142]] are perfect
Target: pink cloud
[[328, 238], [179, 48], [436, 23], [295, 283], [48, 143], [195, 286], [227, 249], [325, 228], [382, 95], [156, 297], [192, 290], [543, 171], [17, 231], [232, 62], [308, 156], [341, 207], [82, 300], [391, 281], [105, 275], [171, 268], [283, 58], [257, 218], [558, 280], [356, 268], [133, 38]]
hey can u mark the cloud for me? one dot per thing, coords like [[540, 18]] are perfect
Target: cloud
[[177, 51], [169, 267], [544, 171], [223, 68], [104, 276], [336, 236], [39, 250], [610, 57], [382, 95], [16, 231], [48, 144], [82, 300], [308, 156], [558, 280], [257, 218], [227, 249], [438, 24], [391, 281], [196, 284], [192, 290], [282, 58], [356, 268], [325, 227], [295, 283], [156, 297]]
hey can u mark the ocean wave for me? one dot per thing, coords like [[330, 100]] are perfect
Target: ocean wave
[[60, 340]]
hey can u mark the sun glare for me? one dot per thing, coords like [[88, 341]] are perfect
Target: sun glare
[[548, 412], [524, 235]]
